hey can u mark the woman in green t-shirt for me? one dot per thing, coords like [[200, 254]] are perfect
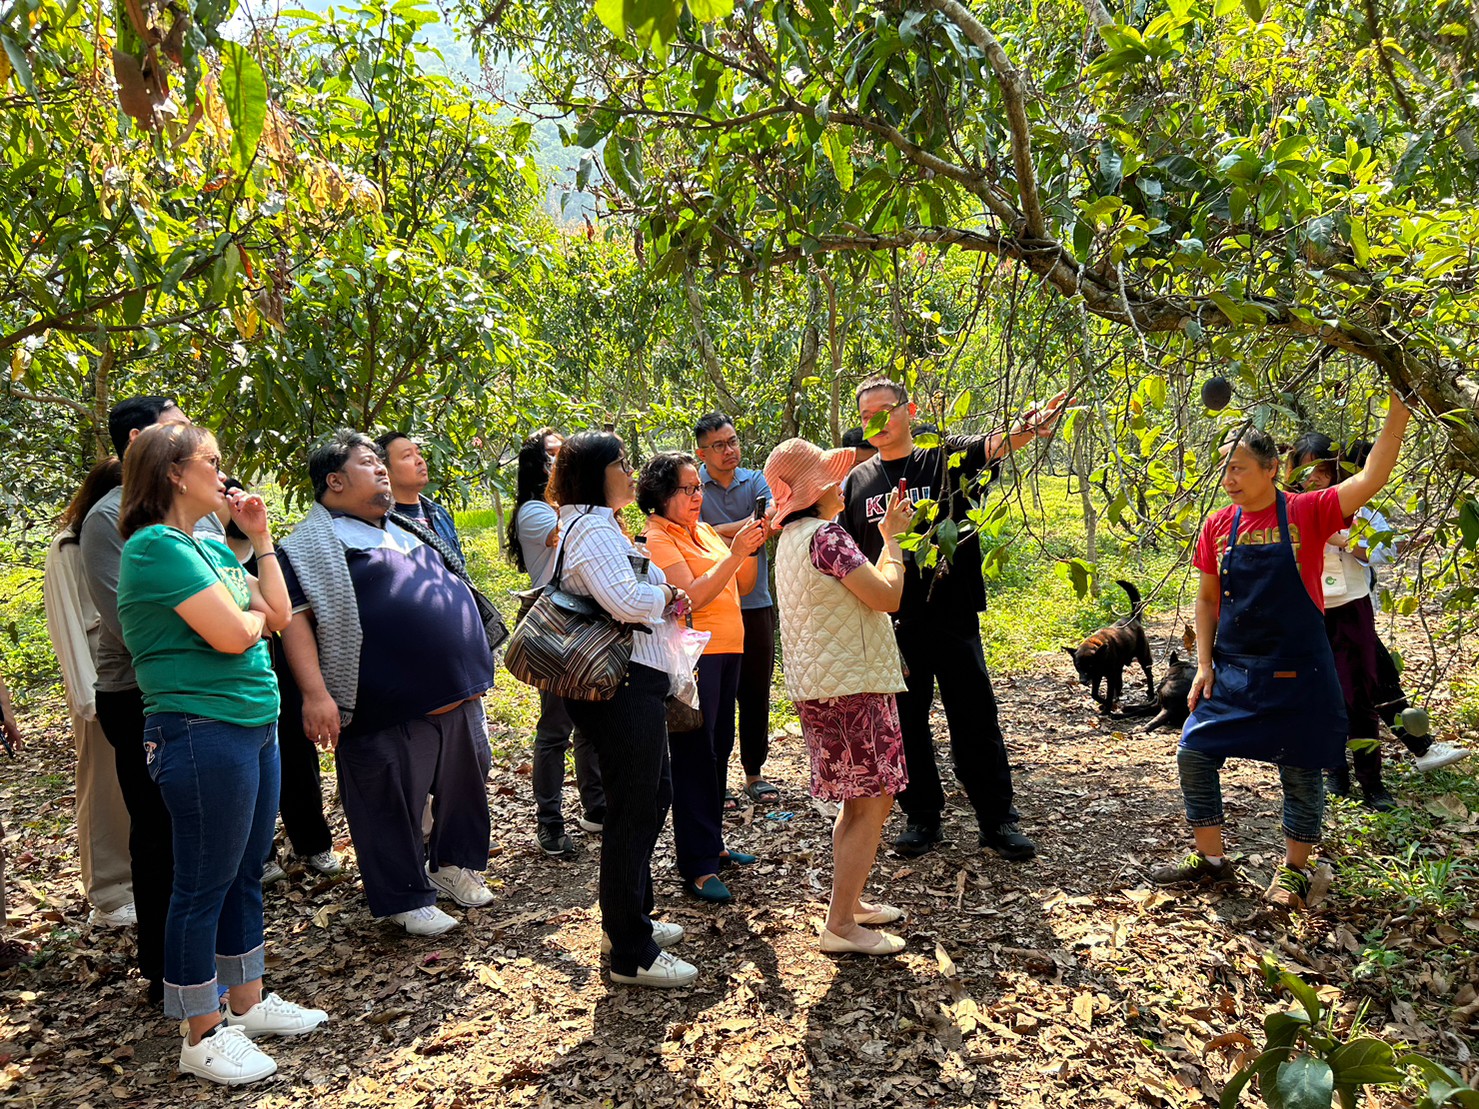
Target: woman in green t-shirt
[[194, 622]]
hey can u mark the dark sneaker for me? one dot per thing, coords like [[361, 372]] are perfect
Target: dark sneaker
[[1008, 841], [917, 839], [1338, 782], [1375, 797], [1193, 869], [1290, 888], [556, 844]]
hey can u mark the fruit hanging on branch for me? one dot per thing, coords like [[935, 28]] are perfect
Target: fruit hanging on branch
[[1217, 393]]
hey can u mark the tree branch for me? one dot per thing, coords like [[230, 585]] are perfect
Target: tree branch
[[708, 355], [1013, 90]]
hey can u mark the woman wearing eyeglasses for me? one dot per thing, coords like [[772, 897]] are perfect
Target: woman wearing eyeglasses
[[714, 574]]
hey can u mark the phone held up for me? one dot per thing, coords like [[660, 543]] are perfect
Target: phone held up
[[761, 504]]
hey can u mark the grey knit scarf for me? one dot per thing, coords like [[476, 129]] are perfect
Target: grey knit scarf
[[322, 570]]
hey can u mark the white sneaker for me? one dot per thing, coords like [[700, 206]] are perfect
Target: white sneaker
[[663, 934], [466, 887], [590, 826], [428, 920], [226, 1056], [272, 873], [272, 1016], [1440, 755], [666, 972], [126, 916], [324, 862]]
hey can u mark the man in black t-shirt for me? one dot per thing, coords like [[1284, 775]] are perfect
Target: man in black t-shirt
[[937, 623]]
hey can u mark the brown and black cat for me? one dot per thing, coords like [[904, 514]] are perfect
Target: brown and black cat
[[1103, 656]]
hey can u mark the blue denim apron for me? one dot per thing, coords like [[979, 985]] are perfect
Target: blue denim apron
[[1275, 692]]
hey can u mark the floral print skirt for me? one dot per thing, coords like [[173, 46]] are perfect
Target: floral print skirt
[[855, 745]]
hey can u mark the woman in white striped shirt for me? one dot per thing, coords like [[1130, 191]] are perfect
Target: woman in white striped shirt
[[590, 483]]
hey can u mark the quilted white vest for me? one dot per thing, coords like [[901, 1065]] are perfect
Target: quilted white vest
[[833, 644]]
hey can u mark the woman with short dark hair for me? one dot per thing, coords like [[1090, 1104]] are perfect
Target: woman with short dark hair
[[696, 558], [194, 621], [1266, 685], [591, 482]]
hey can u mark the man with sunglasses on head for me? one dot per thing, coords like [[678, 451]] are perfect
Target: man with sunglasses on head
[[938, 625], [730, 496]]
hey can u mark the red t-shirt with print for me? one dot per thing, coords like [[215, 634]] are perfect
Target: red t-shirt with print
[[1313, 518]]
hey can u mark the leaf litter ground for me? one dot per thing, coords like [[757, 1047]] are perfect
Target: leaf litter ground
[[1063, 981]]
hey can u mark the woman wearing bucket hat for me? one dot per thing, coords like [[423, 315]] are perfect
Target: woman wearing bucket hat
[[842, 671]]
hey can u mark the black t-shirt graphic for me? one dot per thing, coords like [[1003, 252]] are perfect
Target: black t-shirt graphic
[[927, 476]]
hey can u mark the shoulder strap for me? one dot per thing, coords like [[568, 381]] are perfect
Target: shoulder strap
[[559, 570]]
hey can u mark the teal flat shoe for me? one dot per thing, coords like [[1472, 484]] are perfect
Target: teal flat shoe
[[738, 858], [713, 891]]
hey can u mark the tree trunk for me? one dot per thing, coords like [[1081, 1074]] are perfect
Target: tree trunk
[[102, 442], [708, 353], [806, 362]]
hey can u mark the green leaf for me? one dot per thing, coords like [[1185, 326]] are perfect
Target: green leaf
[[947, 535], [1304, 1082], [959, 407], [1302, 992], [244, 90], [1359, 243], [710, 11], [21, 64], [840, 155], [1468, 523], [1365, 1061]]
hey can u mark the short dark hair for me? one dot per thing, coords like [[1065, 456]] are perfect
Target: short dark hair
[[1259, 443], [709, 424], [384, 441], [134, 414], [232, 531], [853, 437], [332, 455], [579, 473], [901, 395], [1358, 452], [148, 480], [659, 479]]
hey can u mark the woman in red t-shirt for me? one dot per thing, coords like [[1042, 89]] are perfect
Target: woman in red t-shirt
[[1266, 686]]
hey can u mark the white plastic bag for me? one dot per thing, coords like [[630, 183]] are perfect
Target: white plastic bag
[[682, 647]]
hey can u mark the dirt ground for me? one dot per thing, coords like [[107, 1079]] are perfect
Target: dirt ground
[[1062, 981]]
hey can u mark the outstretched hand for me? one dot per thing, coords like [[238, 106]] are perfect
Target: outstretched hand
[[1041, 421]]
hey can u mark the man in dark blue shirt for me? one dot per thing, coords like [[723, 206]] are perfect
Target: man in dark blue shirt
[[730, 493], [408, 477], [392, 676]]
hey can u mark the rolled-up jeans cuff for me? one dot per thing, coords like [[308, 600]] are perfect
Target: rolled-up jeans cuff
[[1206, 821], [237, 970], [184, 1002], [1303, 835]]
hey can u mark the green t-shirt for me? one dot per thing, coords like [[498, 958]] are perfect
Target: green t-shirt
[[179, 671]]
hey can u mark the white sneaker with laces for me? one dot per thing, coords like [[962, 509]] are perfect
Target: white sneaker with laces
[[428, 920], [590, 826], [125, 916], [324, 862], [1440, 755], [272, 1016], [663, 934], [466, 887], [272, 873], [226, 1056], [666, 972]]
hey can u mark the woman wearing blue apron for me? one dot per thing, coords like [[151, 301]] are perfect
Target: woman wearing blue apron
[[1266, 686]]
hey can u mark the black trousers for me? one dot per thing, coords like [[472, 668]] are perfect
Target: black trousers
[[946, 648], [301, 804], [757, 674], [630, 734], [700, 767], [150, 832], [1391, 699]]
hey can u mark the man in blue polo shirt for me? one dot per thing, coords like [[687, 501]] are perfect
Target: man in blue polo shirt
[[729, 500]]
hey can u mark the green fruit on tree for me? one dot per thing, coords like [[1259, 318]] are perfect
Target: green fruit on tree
[[1216, 393]]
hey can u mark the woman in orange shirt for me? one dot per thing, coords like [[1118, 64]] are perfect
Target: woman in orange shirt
[[714, 574]]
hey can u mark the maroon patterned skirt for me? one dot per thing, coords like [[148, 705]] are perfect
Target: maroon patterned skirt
[[855, 745]]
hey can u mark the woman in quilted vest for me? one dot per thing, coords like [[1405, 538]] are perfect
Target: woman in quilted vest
[[714, 574], [842, 671]]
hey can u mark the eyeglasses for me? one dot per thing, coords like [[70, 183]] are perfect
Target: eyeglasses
[[721, 445], [626, 467], [690, 490]]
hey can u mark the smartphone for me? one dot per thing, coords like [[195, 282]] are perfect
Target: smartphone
[[761, 504]]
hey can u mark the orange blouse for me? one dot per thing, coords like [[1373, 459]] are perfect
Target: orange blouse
[[700, 549]]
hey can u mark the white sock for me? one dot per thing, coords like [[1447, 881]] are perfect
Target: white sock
[[1215, 860]]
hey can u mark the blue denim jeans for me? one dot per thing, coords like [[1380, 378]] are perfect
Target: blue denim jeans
[[1201, 789], [220, 783]]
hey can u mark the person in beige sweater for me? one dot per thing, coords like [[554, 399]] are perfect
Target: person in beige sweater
[[842, 671]]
